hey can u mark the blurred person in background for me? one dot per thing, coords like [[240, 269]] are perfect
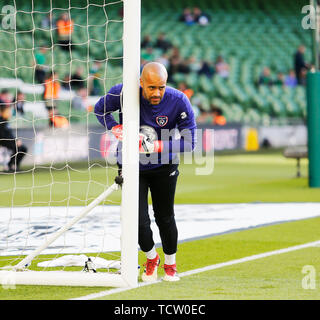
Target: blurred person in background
[[77, 80], [18, 103], [194, 64], [279, 81], [290, 79], [187, 17], [200, 17], [175, 53], [204, 116], [146, 42], [162, 43], [184, 66], [164, 59], [300, 66], [148, 54], [48, 22], [65, 30], [51, 92], [94, 85], [218, 117], [65, 82], [56, 120], [80, 100], [41, 67], [7, 140], [177, 65], [222, 68], [5, 97], [184, 88], [265, 77], [206, 69]]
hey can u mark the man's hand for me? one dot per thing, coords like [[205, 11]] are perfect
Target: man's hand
[[147, 146], [117, 131]]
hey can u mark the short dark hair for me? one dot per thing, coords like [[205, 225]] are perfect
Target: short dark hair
[[217, 110]]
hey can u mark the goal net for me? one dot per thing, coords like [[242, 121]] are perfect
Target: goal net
[[65, 217]]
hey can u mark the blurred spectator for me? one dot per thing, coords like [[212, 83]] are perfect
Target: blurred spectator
[[41, 66], [162, 43], [184, 66], [164, 59], [218, 117], [187, 17], [194, 64], [205, 117], [206, 69], [177, 65], [184, 88], [290, 79], [265, 77], [173, 68], [175, 53], [48, 22], [56, 120], [94, 85], [5, 97], [65, 30], [200, 17], [51, 91], [146, 42], [7, 140], [279, 80], [148, 54], [196, 111], [77, 79], [18, 103], [222, 68], [65, 83], [300, 66], [80, 100]]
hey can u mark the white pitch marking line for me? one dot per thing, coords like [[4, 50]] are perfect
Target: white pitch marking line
[[208, 268]]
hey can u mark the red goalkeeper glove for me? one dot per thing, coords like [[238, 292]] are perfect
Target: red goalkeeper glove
[[147, 146], [117, 131]]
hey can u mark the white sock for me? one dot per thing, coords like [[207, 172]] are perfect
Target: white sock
[[170, 259], [152, 253]]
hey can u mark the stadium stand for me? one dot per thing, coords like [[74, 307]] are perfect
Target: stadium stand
[[249, 35]]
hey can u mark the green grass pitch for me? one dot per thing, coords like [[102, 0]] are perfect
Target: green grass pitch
[[264, 177]]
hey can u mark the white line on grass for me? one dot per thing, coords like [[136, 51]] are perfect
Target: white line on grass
[[207, 268]]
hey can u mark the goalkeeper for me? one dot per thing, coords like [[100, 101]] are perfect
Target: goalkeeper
[[162, 109]]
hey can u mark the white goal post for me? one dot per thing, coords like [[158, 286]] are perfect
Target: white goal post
[[128, 276]]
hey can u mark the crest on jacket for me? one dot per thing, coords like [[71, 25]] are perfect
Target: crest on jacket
[[162, 120]]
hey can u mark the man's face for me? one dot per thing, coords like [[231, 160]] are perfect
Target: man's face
[[6, 113], [5, 97], [153, 89]]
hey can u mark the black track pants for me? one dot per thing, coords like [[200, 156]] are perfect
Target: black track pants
[[162, 184]]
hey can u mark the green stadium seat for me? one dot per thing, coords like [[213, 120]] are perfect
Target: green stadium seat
[[246, 34]]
